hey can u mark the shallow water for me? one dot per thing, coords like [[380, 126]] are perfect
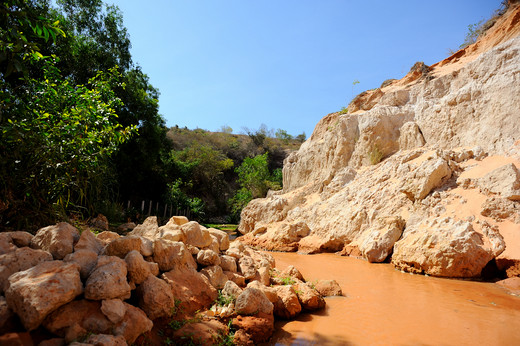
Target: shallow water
[[384, 306]]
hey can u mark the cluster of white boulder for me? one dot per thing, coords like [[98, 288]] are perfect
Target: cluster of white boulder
[[107, 289]]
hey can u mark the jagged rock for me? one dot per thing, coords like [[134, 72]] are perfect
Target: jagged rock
[[107, 236], [247, 267], [501, 209], [208, 258], [257, 328], [443, 247], [148, 229], [179, 220], [430, 174], [264, 276], [270, 292], [58, 239], [193, 289], [113, 309], [18, 260], [215, 275], [378, 244], [123, 245], [203, 332], [139, 269], [87, 315], [228, 263], [54, 342], [108, 280], [252, 301], [503, 181], [293, 272], [223, 238], [310, 299], [6, 317], [88, 241], [231, 289], [239, 279], [214, 246], [288, 305], [328, 288], [9, 241], [155, 298], [36, 292], [172, 231], [85, 259], [169, 255], [99, 222], [195, 235]]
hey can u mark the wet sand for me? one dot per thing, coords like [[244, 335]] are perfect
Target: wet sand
[[383, 306]]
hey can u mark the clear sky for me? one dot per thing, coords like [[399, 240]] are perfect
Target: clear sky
[[284, 63]]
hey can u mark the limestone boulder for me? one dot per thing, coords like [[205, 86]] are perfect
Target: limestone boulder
[[288, 305], [85, 259], [179, 220], [327, 288], [9, 241], [36, 292], [107, 236], [228, 263], [172, 255], [239, 279], [139, 269], [223, 238], [445, 247], [214, 246], [192, 288], [85, 316], [253, 329], [121, 246], [264, 276], [113, 309], [18, 260], [503, 181], [380, 238], [410, 136], [7, 317], [148, 229], [208, 258], [88, 241], [293, 272], [195, 235], [270, 292], [58, 239], [125, 228], [108, 280], [203, 332], [247, 267], [310, 299], [422, 180], [155, 298], [231, 289], [172, 231], [215, 275], [252, 301], [501, 209]]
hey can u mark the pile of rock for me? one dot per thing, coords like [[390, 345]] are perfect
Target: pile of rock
[[108, 289]]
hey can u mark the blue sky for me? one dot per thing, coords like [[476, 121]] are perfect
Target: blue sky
[[284, 63]]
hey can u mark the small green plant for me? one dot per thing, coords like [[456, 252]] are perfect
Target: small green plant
[[344, 110], [223, 299], [375, 155], [288, 280]]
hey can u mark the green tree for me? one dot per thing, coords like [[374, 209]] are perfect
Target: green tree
[[283, 135], [55, 144], [255, 180]]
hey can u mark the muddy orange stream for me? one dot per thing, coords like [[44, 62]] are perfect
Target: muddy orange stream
[[386, 307]]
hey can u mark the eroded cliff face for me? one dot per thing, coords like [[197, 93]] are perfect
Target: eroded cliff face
[[403, 172]]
